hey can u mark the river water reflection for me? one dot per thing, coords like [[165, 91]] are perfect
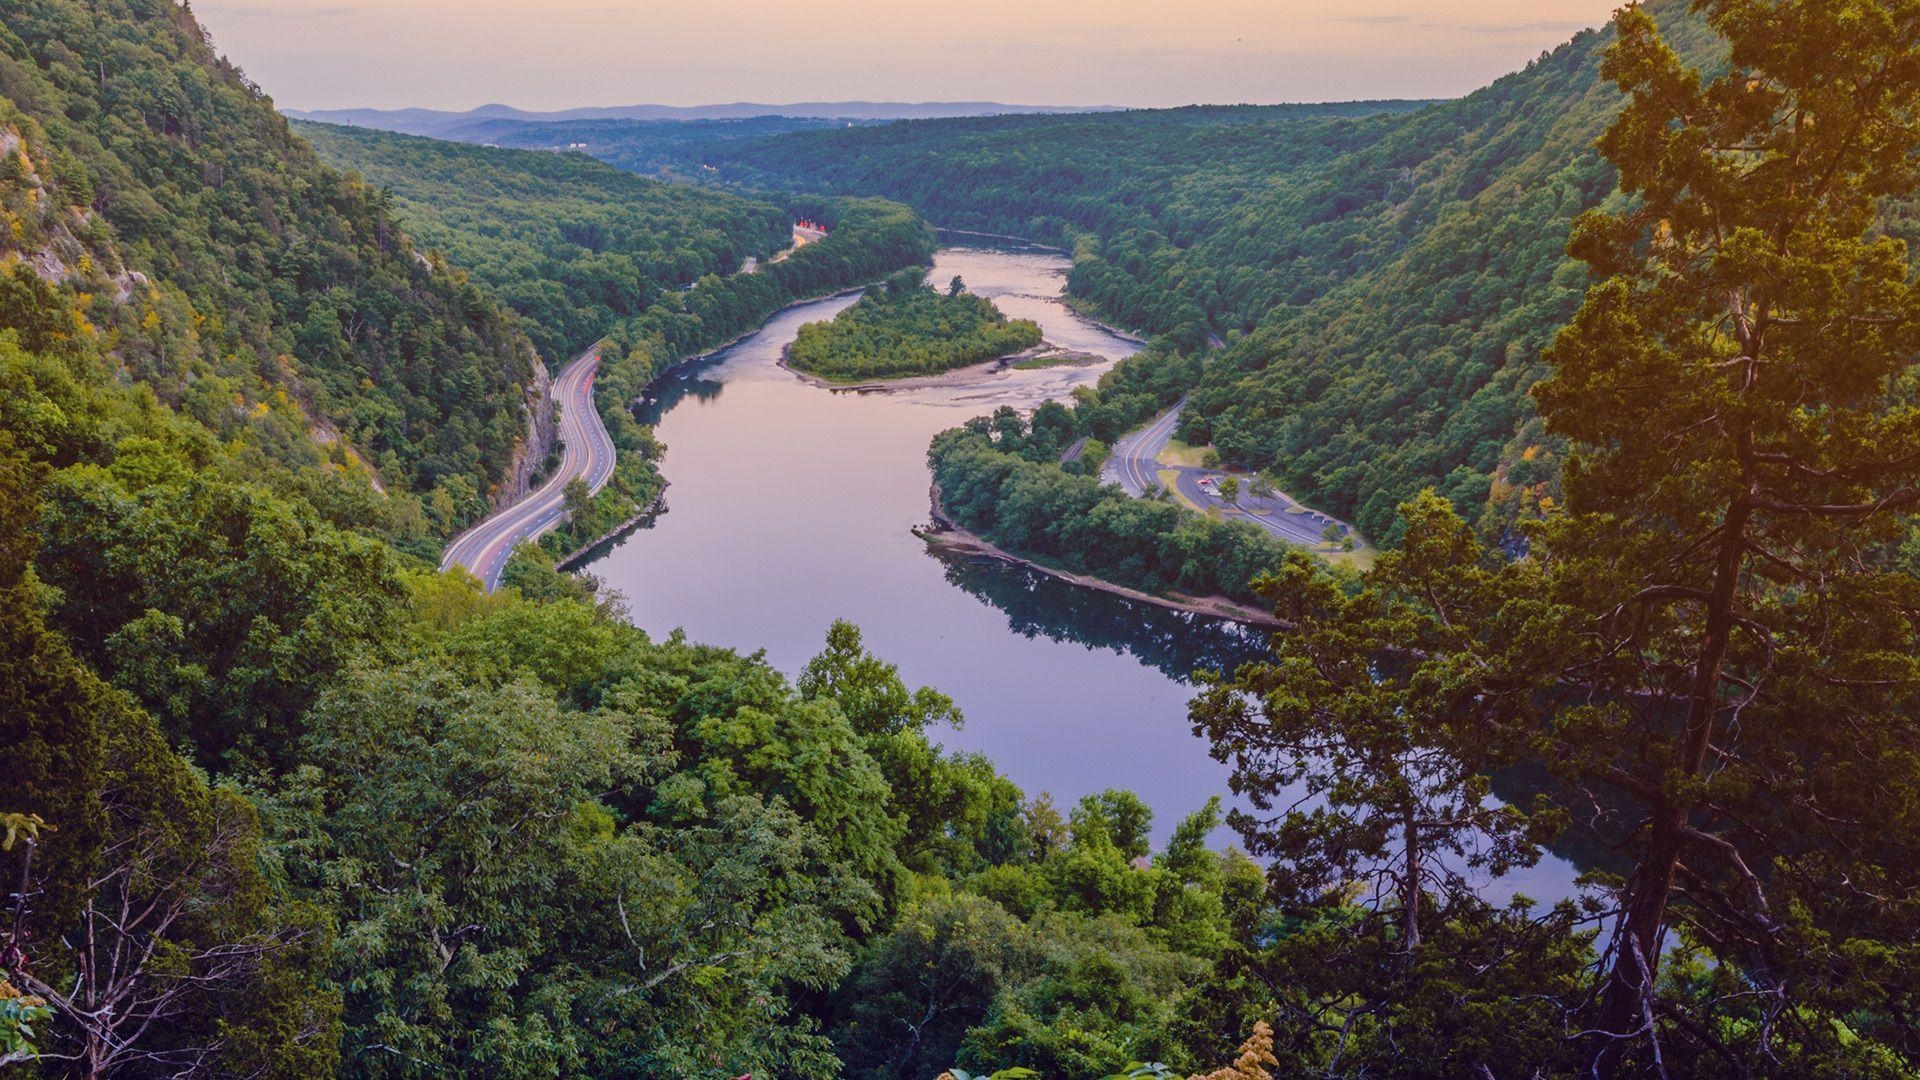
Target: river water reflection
[[792, 506]]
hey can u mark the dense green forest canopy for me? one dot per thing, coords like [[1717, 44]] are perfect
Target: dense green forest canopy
[[905, 327], [239, 278], [1042, 176], [570, 244], [375, 821]]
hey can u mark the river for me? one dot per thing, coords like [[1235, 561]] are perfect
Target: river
[[792, 506]]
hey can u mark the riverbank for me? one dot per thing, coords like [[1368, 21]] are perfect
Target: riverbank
[[614, 534], [947, 536], [708, 354], [1085, 310]]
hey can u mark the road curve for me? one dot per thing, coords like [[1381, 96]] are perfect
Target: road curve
[[1136, 467], [586, 452]]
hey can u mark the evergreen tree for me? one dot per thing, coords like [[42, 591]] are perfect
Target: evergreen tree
[[1739, 389]]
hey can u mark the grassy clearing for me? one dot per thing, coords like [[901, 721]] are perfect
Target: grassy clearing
[[1183, 454]]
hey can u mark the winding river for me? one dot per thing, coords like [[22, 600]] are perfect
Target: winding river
[[792, 506]]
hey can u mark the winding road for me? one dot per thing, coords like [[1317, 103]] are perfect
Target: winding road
[[1134, 464], [586, 452], [1136, 467]]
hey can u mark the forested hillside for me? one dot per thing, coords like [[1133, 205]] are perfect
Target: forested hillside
[[1383, 280], [240, 279], [569, 243]]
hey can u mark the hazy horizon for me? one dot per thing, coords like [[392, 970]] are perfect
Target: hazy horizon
[[439, 54]]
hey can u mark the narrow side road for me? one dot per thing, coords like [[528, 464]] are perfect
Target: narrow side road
[[587, 452], [1136, 467]]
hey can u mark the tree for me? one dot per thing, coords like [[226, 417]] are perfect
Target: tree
[[1116, 818], [926, 983], [19, 1014], [956, 286], [868, 689], [1044, 823], [1364, 769], [1738, 391], [1710, 647], [496, 910], [1230, 490], [179, 959], [577, 498], [50, 720]]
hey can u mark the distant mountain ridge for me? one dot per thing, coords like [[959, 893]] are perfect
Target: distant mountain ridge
[[430, 121]]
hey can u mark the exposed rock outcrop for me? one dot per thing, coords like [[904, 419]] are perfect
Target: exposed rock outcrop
[[541, 437]]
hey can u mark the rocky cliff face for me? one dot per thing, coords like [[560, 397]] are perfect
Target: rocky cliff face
[[41, 228], [542, 435]]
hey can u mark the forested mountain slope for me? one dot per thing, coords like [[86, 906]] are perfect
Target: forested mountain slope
[[569, 243], [1383, 280], [248, 273]]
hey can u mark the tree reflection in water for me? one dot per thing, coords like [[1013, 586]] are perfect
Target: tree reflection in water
[[1036, 604]]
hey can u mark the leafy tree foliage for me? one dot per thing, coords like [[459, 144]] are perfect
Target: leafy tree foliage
[[1385, 762], [1756, 660], [1072, 962], [146, 578], [137, 912], [1710, 647], [300, 806]]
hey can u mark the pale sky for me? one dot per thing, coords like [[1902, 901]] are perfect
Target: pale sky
[[555, 54]]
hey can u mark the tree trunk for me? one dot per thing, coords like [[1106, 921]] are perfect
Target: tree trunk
[[1410, 892], [1625, 1000]]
